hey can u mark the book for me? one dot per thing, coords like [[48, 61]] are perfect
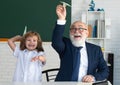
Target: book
[[90, 31], [101, 83], [95, 30]]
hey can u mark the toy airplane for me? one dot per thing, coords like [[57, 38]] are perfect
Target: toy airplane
[[25, 30], [65, 4]]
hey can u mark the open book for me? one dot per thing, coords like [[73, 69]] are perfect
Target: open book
[[105, 82]]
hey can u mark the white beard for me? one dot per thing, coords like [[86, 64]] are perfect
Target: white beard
[[77, 43]]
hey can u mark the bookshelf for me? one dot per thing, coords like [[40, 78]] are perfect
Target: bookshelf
[[97, 29], [96, 24]]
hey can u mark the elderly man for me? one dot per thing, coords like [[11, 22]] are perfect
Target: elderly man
[[79, 60]]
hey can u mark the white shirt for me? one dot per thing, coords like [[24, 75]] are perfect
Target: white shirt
[[27, 71], [83, 63]]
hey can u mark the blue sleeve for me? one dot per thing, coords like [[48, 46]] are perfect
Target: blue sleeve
[[57, 38]]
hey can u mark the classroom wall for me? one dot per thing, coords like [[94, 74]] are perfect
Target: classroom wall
[[112, 7], [112, 11]]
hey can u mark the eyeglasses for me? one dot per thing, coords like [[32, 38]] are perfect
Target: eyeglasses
[[79, 29]]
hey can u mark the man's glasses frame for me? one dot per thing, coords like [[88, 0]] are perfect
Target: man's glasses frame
[[79, 29]]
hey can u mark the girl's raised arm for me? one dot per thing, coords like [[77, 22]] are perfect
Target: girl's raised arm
[[11, 41]]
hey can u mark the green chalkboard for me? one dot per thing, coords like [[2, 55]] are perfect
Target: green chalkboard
[[37, 15]]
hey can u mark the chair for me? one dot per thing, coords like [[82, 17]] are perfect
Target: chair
[[50, 74]]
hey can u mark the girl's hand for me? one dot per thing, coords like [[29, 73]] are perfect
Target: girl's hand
[[40, 58], [34, 59]]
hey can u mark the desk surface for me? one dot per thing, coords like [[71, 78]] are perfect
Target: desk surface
[[51, 83]]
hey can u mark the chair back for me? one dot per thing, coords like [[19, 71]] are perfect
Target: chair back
[[50, 74]]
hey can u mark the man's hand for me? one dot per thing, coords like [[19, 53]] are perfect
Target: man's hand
[[61, 12], [88, 78]]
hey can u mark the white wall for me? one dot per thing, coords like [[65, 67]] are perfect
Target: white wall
[[112, 10]]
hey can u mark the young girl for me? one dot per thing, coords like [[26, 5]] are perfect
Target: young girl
[[30, 57]]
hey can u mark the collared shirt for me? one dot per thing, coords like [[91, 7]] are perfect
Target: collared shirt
[[27, 71], [83, 63]]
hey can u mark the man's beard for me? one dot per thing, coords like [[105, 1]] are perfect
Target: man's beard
[[77, 43]]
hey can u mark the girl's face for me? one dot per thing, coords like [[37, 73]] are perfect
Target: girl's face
[[31, 42]]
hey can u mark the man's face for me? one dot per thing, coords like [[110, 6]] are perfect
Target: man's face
[[78, 33]]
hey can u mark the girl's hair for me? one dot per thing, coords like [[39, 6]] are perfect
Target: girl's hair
[[30, 34]]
